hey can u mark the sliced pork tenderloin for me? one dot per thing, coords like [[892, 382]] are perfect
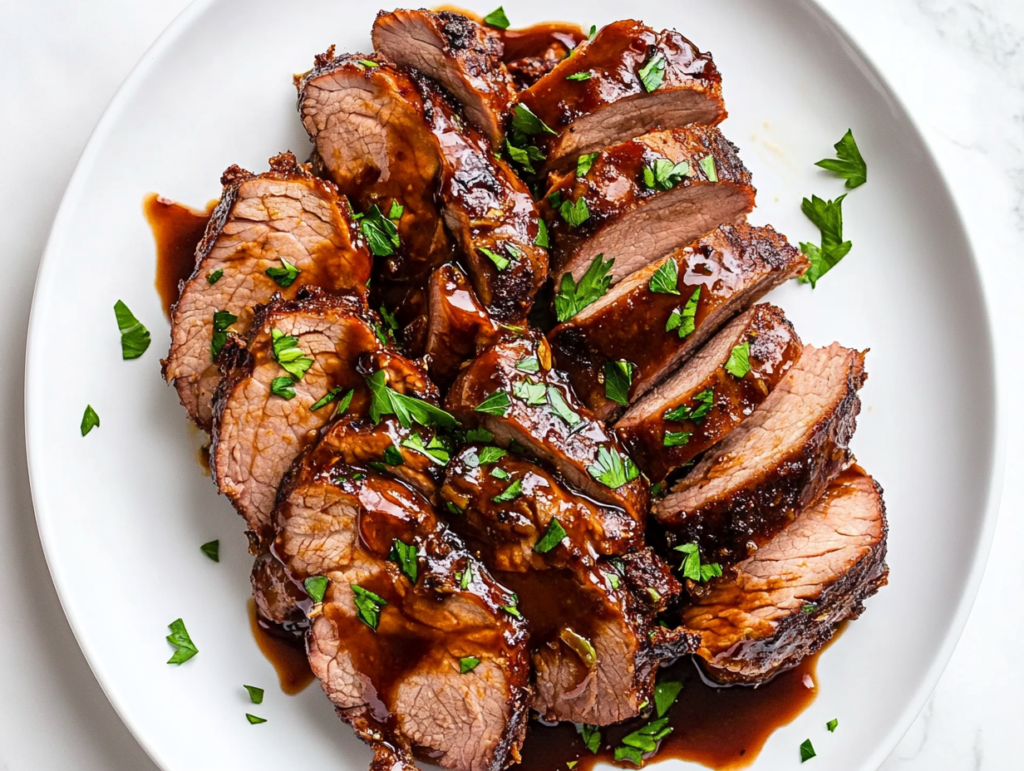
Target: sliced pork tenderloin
[[642, 199], [458, 325], [777, 462], [786, 601], [532, 52], [726, 270], [712, 393], [636, 80], [271, 233]]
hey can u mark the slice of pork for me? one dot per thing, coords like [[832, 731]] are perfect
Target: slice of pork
[[613, 104], [777, 462], [265, 222], [732, 266], [512, 391], [461, 55], [785, 602], [619, 216], [712, 393], [428, 662], [532, 52], [258, 432], [458, 325]]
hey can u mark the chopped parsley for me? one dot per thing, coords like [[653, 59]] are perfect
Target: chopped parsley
[[525, 156], [489, 455], [253, 720], [665, 280], [500, 261], [692, 567], [529, 364], [532, 393], [613, 580], [283, 387], [574, 213], [284, 277], [591, 736], [368, 63], [665, 175], [542, 234], [289, 355], [584, 163], [701, 406], [179, 638], [90, 420], [497, 18], [467, 664], [408, 409], [738, 364], [368, 606], [561, 407], [221, 321], [832, 725], [684, 320], [577, 76], [499, 473], [335, 395], [396, 211], [478, 435], [316, 587], [710, 170], [513, 609], [405, 556], [213, 277], [465, 577], [643, 740], [807, 751], [255, 694], [828, 216], [665, 695], [381, 232], [393, 456], [526, 122], [593, 32], [618, 377], [652, 74], [572, 297], [849, 163], [555, 199], [808, 608], [552, 537], [134, 337], [612, 468], [510, 493], [676, 438], [435, 449], [211, 549], [495, 404], [453, 508]]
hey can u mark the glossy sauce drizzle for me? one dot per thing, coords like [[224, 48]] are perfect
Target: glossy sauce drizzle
[[177, 230], [286, 652]]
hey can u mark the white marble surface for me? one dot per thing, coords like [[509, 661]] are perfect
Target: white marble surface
[[957, 64]]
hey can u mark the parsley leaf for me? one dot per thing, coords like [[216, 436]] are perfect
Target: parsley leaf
[[90, 420], [255, 694], [211, 549], [710, 170], [613, 580], [289, 355], [393, 456], [500, 261], [665, 695], [572, 297], [408, 409], [396, 211], [512, 610], [468, 664], [809, 607], [591, 736], [333, 395], [652, 74], [283, 387], [702, 404], [832, 725], [665, 175], [316, 587], [684, 320], [643, 740], [584, 163], [665, 279], [828, 216], [489, 455], [525, 156], [221, 321], [499, 473], [850, 164], [575, 214], [618, 377], [526, 122], [497, 18], [434, 449], [134, 337], [612, 469], [510, 493], [214, 277], [405, 554], [542, 234], [552, 537], [380, 232], [693, 569], [561, 407], [179, 638], [807, 751], [495, 404], [465, 577], [676, 438], [368, 606], [368, 63], [533, 394], [477, 435], [529, 364], [577, 76], [739, 360], [253, 720], [284, 277]]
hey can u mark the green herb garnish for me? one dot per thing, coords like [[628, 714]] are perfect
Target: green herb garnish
[[572, 297], [612, 468], [828, 216], [591, 736], [334, 395], [552, 537], [701, 406], [464, 577], [652, 74], [221, 321], [510, 493], [710, 170], [284, 277], [393, 456], [618, 377], [179, 638], [831, 725], [528, 364], [532, 393], [255, 694], [253, 720], [214, 277], [738, 364], [211, 549], [405, 555], [665, 279], [692, 567], [542, 234], [495, 404], [685, 319], [468, 664], [368, 606], [489, 455], [90, 420], [574, 213], [676, 438], [665, 175], [408, 409], [665, 695], [370, 64], [584, 163], [807, 751], [283, 387], [134, 337], [497, 18], [500, 261], [561, 407], [316, 587], [578, 76], [435, 449], [850, 164], [526, 122], [381, 232]]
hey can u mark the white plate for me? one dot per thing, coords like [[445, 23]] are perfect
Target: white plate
[[122, 512]]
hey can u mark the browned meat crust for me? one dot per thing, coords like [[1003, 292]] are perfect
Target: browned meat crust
[[785, 602], [733, 266], [613, 105], [634, 223], [532, 52], [458, 325], [660, 430]]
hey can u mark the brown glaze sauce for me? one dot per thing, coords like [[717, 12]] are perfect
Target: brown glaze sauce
[[285, 651], [721, 728], [177, 230]]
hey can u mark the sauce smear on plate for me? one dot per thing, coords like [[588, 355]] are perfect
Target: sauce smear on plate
[[285, 652], [177, 230]]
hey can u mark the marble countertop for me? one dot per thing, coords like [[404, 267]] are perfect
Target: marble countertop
[[958, 65]]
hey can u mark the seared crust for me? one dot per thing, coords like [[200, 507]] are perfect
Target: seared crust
[[613, 105], [532, 52], [785, 602], [635, 224], [458, 326], [734, 267]]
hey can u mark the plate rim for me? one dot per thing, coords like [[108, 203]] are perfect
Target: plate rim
[[996, 447]]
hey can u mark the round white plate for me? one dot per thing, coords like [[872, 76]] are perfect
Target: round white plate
[[122, 512]]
